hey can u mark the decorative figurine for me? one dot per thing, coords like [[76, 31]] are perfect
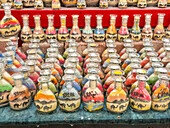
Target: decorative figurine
[[9, 25], [20, 96], [159, 31], [75, 32], [111, 32], [45, 101], [87, 32], [63, 33]]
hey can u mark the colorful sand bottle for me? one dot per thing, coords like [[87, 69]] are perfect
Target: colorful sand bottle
[[75, 32], [5, 88], [38, 32], [117, 101], [27, 81], [81, 4], [51, 32], [112, 3], [20, 96], [123, 31], [63, 33], [93, 98], [144, 56], [9, 25], [135, 32], [45, 101], [90, 44], [56, 5], [111, 32], [87, 32], [18, 4], [132, 2], [162, 3], [26, 33], [38, 4], [153, 78], [152, 2], [166, 59], [69, 98], [103, 4], [160, 97], [127, 44], [71, 43], [122, 4], [142, 3], [140, 99], [159, 31], [168, 32], [99, 33], [162, 49], [33, 74], [28, 3]]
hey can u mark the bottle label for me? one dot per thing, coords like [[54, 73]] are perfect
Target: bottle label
[[167, 34], [4, 98], [136, 37], [63, 37], [118, 106], [99, 37], [81, 5], [26, 37], [140, 105], [122, 37], [146, 35], [50, 36], [40, 37], [159, 36], [87, 36], [160, 105], [69, 105], [111, 36], [76, 36]]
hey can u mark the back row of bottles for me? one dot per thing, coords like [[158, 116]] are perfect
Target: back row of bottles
[[139, 78]]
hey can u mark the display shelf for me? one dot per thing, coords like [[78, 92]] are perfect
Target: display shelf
[[31, 116], [92, 11]]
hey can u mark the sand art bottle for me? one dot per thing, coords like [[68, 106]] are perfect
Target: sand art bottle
[[56, 5], [122, 4], [142, 4], [18, 4], [45, 101], [38, 4], [20, 96], [81, 4], [28, 3], [166, 59], [162, 3], [9, 25], [103, 4]]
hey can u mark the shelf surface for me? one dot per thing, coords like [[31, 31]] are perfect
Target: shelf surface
[[31, 116], [92, 11]]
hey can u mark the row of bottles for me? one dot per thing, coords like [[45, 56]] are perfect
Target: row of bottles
[[138, 79], [81, 4], [9, 27]]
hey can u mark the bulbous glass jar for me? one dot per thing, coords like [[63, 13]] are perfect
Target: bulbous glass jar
[[9, 25], [93, 98], [69, 98], [160, 97], [117, 100], [140, 99], [20, 96], [45, 101]]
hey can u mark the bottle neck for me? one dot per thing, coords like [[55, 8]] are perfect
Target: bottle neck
[[75, 22], [142, 84], [93, 84], [99, 23], [118, 85], [124, 22], [148, 21], [163, 82], [160, 20], [68, 84], [25, 75], [63, 22], [25, 22], [7, 12], [112, 22], [87, 23], [50, 22], [136, 22], [168, 54], [18, 82], [37, 23], [44, 86]]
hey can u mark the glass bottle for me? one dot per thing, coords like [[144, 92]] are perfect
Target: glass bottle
[[160, 97], [9, 25], [165, 44], [63, 33], [26, 33], [103, 4], [90, 44], [168, 32], [18, 4], [75, 32], [111, 32], [162, 3], [147, 29], [38, 32], [166, 59], [38, 4], [99, 33], [51, 32], [159, 31], [135, 32], [117, 101], [93, 98], [10, 67], [27, 81], [5, 88], [142, 3], [45, 101], [68, 3], [32, 75], [127, 44], [122, 4], [20, 96], [56, 5], [140, 99], [81, 4], [69, 98], [28, 3], [87, 32], [123, 31]]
